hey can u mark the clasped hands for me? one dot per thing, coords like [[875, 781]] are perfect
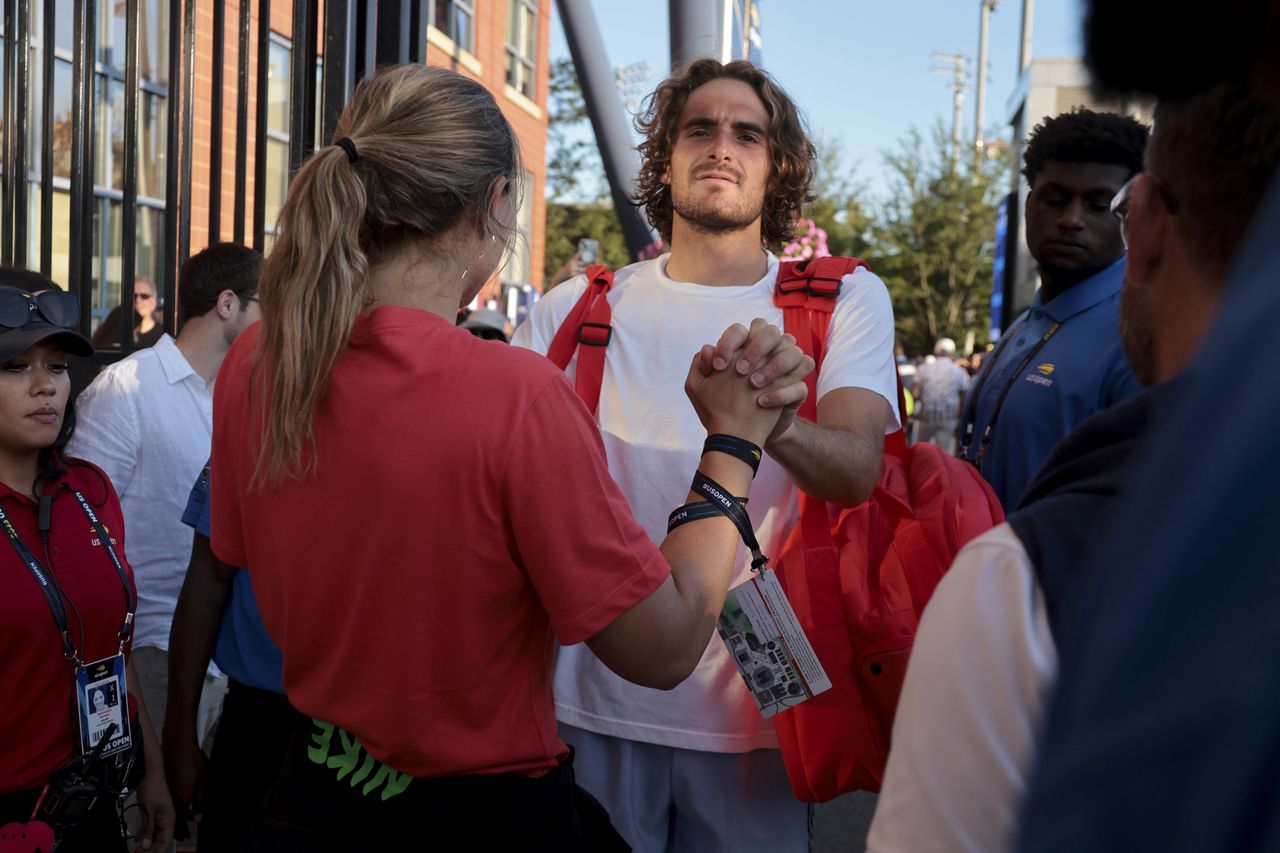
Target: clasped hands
[[750, 383]]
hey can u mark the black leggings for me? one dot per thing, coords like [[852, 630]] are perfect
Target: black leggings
[[311, 810]]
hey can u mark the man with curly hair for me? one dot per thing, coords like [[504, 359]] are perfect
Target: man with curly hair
[[1061, 361], [726, 170]]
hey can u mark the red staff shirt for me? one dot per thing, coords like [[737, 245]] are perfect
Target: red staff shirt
[[36, 681], [459, 519]]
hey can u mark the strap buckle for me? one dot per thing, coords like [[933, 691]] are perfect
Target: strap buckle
[[595, 334], [827, 288]]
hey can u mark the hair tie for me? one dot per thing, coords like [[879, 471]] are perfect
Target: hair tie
[[350, 147]]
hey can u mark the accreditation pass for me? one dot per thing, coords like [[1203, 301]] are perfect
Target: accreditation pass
[[768, 645]]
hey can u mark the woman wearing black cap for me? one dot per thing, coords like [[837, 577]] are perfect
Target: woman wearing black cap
[[71, 736]]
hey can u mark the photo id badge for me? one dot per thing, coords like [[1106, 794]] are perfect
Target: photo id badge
[[103, 699], [768, 645]]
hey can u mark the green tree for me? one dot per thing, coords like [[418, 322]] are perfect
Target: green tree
[[838, 207], [573, 163], [934, 241], [568, 223]]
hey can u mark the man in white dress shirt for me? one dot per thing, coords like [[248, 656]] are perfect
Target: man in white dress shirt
[[147, 421]]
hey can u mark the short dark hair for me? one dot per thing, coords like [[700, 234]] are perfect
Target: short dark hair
[[1084, 136], [222, 266], [1216, 154], [793, 155]]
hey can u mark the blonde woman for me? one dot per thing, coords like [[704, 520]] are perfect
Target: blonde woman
[[426, 513]]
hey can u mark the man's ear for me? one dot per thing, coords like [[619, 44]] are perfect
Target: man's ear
[[227, 304], [1148, 225]]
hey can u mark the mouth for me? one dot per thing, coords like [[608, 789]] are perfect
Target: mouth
[[1067, 246], [723, 177], [45, 416]]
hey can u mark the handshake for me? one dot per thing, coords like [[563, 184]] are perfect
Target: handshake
[[750, 384]]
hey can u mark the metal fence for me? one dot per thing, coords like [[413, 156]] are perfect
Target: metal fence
[[65, 81]]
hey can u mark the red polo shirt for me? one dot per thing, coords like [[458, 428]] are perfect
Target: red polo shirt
[[36, 681], [460, 518]]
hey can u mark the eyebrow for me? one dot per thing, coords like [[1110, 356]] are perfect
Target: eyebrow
[[1100, 190], [707, 121]]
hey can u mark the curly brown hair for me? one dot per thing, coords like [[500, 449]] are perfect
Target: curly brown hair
[[792, 153]]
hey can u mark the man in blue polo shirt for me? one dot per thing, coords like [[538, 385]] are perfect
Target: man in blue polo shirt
[[1061, 361], [217, 616]]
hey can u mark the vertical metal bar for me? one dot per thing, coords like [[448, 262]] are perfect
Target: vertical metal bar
[[339, 63], [216, 85], [129, 206], [22, 94], [418, 31], [188, 129], [7, 212], [242, 123], [260, 127], [172, 199], [302, 85], [365, 38], [46, 136], [392, 36], [80, 267], [312, 89]]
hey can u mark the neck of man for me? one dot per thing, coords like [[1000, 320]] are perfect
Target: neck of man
[[1187, 319], [203, 343], [146, 324], [18, 470], [717, 259], [1054, 282]]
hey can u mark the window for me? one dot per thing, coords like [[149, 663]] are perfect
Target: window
[[522, 47], [279, 57], [456, 19]]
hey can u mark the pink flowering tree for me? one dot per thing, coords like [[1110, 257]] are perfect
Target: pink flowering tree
[[810, 242]]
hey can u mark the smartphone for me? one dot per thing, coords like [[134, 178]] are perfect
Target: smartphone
[[587, 250]]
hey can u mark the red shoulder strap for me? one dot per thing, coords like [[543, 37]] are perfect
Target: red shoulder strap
[[807, 292], [588, 325]]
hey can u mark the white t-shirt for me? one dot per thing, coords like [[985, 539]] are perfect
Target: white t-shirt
[[654, 440], [971, 709], [147, 421]]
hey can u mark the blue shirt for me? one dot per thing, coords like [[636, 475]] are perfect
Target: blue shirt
[[1081, 370], [1164, 730], [244, 651]]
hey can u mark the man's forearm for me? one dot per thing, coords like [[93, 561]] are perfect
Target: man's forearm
[[194, 635], [830, 463]]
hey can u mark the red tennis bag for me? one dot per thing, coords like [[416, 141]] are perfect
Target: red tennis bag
[[859, 578]]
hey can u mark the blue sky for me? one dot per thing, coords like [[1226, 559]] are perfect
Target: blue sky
[[860, 70]]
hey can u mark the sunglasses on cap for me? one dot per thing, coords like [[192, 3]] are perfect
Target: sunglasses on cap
[[56, 307]]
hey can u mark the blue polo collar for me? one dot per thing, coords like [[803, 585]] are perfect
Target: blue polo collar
[[1088, 293]]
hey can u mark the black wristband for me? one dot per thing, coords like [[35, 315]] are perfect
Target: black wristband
[[720, 498], [738, 448]]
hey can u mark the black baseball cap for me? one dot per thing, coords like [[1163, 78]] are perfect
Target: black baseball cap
[[35, 309]]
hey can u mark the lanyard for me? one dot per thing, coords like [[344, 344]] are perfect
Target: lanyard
[[966, 440], [720, 503], [53, 596]]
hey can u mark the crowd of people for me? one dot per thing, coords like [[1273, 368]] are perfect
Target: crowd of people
[[363, 601]]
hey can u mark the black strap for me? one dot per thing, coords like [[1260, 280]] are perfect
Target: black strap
[[130, 597], [966, 440], [696, 511], [47, 586], [53, 595], [738, 448], [731, 507]]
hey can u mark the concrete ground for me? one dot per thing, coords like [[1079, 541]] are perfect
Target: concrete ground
[[840, 826]]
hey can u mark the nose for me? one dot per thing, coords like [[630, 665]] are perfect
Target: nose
[[1072, 216], [42, 384], [721, 148]]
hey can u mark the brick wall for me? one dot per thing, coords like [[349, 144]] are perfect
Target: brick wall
[[487, 65]]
